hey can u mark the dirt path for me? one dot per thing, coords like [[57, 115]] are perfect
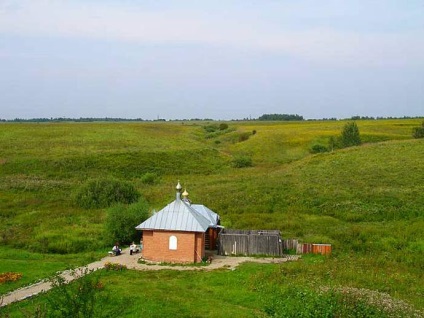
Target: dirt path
[[131, 262], [42, 286]]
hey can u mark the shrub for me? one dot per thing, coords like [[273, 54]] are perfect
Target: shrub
[[121, 221], [223, 126], [418, 132], [149, 178], [213, 131], [244, 136], [210, 128], [103, 193], [318, 148], [242, 162], [350, 135], [82, 298]]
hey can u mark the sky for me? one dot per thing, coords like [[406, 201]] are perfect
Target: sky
[[211, 59]]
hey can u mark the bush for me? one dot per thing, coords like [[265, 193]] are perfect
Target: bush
[[149, 178], [244, 136], [317, 148], [121, 221], [223, 126], [242, 162], [210, 128], [418, 132], [96, 194], [81, 298], [350, 135]]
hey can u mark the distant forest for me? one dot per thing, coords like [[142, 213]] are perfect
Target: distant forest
[[281, 117], [264, 117]]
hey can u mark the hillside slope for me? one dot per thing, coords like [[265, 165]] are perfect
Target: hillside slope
[[367, 201]]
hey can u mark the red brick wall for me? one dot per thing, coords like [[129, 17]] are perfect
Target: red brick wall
[[190, 246]]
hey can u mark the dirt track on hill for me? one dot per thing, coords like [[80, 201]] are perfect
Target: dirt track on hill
[[131, 262]]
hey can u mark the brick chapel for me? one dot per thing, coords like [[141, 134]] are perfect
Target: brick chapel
[[180, 232]]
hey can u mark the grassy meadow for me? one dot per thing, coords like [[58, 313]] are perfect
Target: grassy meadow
[[367, 201]]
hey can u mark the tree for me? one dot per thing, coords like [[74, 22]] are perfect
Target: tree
[[283, 117], [418, 132], [350, 135], [122, 219]]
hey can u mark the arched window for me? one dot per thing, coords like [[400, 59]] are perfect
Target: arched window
[[172, 242]]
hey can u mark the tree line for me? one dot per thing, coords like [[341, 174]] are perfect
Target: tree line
[[281, 117], [67, 119], [264, 117]]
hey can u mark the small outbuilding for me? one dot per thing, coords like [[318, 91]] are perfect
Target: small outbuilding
[[180, 232]]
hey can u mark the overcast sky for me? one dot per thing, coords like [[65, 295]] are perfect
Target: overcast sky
[[211, 59]]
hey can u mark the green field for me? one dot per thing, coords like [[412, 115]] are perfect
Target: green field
[[367, 201]]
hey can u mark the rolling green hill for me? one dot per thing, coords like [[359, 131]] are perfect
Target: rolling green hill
[[367, 201]]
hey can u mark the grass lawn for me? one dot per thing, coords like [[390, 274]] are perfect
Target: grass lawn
[[251, 290], [37, 266]]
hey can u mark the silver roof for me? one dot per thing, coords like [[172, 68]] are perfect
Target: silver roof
[[177, 216], [207, 213]]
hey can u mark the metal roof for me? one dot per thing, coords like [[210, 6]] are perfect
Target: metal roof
[[177, 216], [207, 213]]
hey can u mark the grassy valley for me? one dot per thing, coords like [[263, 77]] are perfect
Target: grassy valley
[[367, 201]]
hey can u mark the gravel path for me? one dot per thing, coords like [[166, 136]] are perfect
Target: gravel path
[[131, 262], [42, 286]]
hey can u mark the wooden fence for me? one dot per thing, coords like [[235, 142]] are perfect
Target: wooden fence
[[250, 242], [290, 244], [264, 242], [305, 248]]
